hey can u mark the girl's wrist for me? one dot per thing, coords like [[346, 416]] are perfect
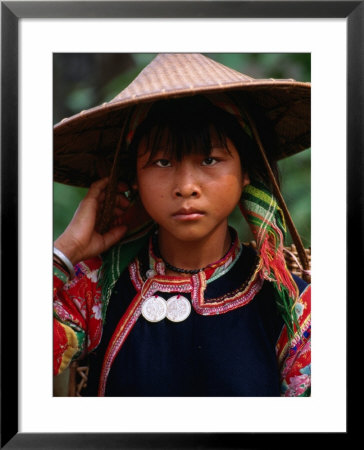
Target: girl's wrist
[[63, 263], [67, 250]]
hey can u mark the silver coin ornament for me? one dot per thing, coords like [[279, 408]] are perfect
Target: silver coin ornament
[[178, 308], [154, 309]]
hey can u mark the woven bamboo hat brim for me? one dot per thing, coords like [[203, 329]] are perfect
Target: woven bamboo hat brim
[[84, 144]]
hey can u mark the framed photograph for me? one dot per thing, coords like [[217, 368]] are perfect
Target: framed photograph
[[31, 34]]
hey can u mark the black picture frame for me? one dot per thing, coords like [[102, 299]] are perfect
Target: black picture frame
[[11, 13]]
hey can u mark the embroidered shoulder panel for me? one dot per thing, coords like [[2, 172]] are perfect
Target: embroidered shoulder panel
[[196, 286]]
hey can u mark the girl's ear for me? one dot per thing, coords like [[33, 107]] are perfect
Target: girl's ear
[[246, 179], [135, 186]]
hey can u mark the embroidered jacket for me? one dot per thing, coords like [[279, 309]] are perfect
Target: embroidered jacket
[[79, 320]]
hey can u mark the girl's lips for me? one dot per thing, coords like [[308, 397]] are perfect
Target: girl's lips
[[187, 217], [188, 214]]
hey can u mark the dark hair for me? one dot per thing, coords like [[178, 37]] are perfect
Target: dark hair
[[188, 123]]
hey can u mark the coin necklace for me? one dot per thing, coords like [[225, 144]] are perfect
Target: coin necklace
[[155, 308], [178, 307], [175, 309]]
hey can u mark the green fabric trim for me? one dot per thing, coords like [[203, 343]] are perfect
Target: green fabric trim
[[60, 275], [264, 200], [81, 340], [257, 198], [307, 393], [114, 262]]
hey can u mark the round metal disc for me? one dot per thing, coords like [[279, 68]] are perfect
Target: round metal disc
[[154, 309], [178, 308]]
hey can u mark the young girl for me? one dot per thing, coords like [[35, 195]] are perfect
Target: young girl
[[150, 281]]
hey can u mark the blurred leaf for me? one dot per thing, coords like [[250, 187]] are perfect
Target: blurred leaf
[[80, 99], [295, 174], [116, 85], [142, 59], [65, 202]]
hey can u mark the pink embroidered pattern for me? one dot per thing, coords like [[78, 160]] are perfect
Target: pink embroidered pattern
[[197, 283], [135, 276], [238, 299]]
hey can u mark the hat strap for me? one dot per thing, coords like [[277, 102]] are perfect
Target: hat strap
[[104, 218]]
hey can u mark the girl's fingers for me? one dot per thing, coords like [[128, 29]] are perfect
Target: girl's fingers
[[94, 195], [97, 188], [102, 196]]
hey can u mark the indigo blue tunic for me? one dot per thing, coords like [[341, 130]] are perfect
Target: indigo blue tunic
[[230, 354]]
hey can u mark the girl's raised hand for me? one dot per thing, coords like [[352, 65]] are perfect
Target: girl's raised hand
[[80, 240]]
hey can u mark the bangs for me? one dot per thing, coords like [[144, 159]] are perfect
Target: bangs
[[183, 140], [178, 128], [175, 128]]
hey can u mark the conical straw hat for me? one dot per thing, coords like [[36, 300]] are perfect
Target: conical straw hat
[[85, 144]]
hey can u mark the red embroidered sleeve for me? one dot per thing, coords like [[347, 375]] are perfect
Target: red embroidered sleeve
[[295, 358], [77, 309]]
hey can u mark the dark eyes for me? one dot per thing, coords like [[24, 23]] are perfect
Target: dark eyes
[[209, 161], [163, 163]]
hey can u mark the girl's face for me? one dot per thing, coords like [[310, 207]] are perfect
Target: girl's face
[[192, 198]]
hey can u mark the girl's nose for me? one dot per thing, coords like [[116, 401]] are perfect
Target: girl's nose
[[186, 183]]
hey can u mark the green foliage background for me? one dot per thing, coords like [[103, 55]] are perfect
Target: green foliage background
[[82, 81]]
